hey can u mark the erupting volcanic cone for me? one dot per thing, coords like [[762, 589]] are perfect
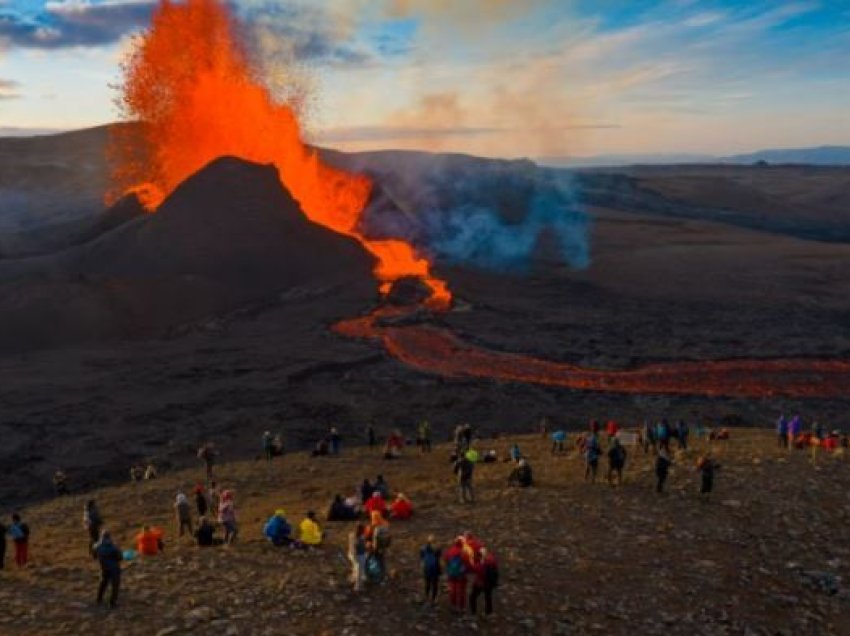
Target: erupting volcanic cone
[[191, 85]]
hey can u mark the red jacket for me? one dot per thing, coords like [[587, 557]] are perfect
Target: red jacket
[[401, 509], [479, 570], [612, 428], [374, 504]]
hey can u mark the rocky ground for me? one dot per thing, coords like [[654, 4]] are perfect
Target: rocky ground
[[768, 555]]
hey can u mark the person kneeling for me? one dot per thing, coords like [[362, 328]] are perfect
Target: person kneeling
[[205, 534], [341, 511]]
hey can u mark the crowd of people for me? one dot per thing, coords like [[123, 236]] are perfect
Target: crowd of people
[[470, 569]]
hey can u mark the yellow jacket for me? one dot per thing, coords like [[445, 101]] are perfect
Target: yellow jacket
[[311, 533]]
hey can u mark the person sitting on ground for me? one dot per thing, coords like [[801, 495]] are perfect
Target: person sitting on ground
[[353, 502], [310, 534], [150, 472], [60, 482], [205, 533], [340, 511], [322, 447], [706, 466], [381, 486], [616, 462], [277, 529], [515, 454], [183, 515], [521, 475], [490, 457], [227, 517], [401, 508], [149, 541], [559, 438], [395, 444], [376, 503], [109, 557]]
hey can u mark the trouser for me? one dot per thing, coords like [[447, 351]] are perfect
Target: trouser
[[111, 580], [2, 552], [615, 470], [432, 586], [557, 447], [183, 525], [683, 442], [590, 469], [707, 485], [94, 535], [465, 491], [21, 553], [457, 593], [662, 477], [358, 571], [665, 444], [230, 532], [783, 441], [209, 471], [488, 599]]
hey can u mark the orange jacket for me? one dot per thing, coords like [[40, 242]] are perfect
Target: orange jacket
[[147, 543]]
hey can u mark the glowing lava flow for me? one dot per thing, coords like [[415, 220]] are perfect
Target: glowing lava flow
[[433, 350], [190, 84]]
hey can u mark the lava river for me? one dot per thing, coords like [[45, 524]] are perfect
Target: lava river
[[434, 350]]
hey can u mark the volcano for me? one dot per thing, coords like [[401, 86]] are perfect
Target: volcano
[[229, 235]]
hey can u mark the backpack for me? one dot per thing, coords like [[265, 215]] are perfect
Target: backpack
[[374, 569], [455, 568]]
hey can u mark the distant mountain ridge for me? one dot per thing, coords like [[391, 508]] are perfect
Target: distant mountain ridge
[[815, 156]]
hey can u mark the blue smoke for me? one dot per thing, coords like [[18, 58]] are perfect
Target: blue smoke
[[492, 215]]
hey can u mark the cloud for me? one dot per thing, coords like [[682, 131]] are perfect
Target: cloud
[[71, 23], [8, 89]]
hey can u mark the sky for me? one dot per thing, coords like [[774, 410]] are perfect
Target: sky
[[511, 78]]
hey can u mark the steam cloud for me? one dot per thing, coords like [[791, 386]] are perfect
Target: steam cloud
[[494, 215]]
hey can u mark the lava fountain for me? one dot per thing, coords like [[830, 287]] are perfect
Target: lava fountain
[[191, 86]]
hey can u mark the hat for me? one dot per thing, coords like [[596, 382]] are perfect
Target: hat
[[280, 512]]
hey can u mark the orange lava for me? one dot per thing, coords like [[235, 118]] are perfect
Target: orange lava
[[190, 84], [433, 350]]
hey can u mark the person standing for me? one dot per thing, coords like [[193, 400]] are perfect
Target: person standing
[[706, 467], [201, 501], [592, 452], [183, 515], [485, 571], [370, 434], [682, 432], [334, 439], [268, 446], [464, 470], [456, 571], [109, 556], [3, 531], [207, 454], [227, 517], [92, 521], [611, 430], [424, 437], [20, 533], [357, 556], [662, 432], [662, 468], [616, 462], [429, 557], [559, 438], [782, 432]]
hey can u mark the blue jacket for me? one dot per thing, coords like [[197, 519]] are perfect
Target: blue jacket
[[277, 530]]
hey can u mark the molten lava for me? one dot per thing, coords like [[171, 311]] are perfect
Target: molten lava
[[434, 350], [190, 84]]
